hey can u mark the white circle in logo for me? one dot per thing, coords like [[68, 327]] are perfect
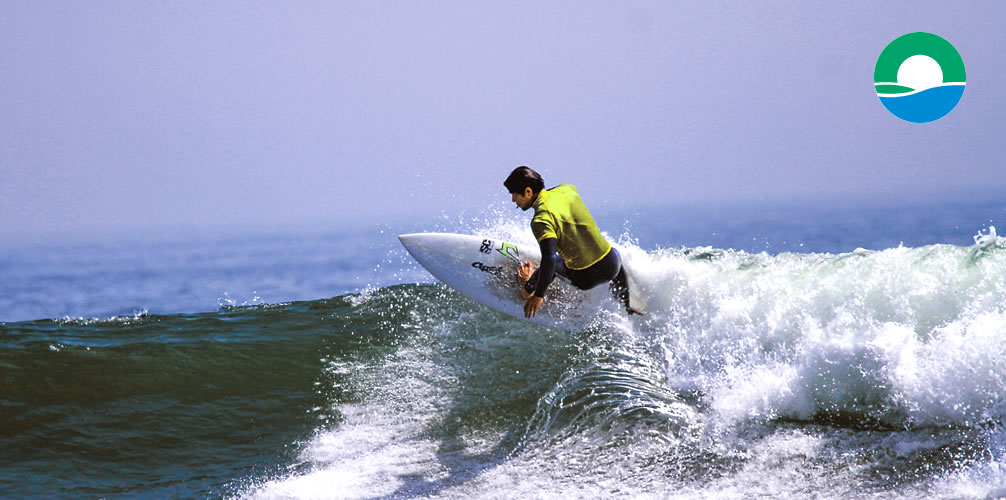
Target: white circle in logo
[[920, 73]]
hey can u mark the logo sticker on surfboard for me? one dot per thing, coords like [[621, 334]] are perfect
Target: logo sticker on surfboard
[[509, 250]]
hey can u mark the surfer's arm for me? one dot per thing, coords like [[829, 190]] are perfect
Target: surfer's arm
[[546, 272]]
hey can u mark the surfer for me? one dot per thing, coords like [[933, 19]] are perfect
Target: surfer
[[567, 233]]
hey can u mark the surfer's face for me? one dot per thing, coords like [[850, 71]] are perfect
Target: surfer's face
[[523, 200]]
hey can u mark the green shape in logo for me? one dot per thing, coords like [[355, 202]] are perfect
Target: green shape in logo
[[919, 77]]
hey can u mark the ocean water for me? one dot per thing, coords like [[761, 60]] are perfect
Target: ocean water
[[788, 352]]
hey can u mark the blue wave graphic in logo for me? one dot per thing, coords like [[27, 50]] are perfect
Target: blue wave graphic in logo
[[925, 106]]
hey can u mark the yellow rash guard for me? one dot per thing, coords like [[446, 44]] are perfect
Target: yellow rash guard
[[560, 213]]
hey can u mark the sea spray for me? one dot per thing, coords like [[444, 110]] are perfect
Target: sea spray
[[881, 338]]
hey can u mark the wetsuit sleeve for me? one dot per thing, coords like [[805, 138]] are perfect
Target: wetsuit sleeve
[[546, 272]]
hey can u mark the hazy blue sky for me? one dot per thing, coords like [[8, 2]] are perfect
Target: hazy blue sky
[[119, 114]]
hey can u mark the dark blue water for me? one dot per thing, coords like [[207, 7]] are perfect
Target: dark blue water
[[790, 351]]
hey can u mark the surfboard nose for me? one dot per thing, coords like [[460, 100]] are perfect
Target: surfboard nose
[[443, 249], [412, 240], [420, 245], [408, 238], [438, 251]]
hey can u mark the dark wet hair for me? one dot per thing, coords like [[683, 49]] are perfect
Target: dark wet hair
[[524, 177]]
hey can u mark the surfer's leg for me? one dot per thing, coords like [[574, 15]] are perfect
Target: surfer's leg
[[607, 270], [619, 287], [603, 271]]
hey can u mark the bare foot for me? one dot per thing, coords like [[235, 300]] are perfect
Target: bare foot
[[525, 271]]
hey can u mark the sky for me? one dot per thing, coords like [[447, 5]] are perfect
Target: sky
[[125, 114]]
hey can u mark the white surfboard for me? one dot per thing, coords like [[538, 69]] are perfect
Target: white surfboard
[[484, 270]]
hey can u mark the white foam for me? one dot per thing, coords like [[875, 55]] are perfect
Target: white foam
[[367, 457], [906, 336]]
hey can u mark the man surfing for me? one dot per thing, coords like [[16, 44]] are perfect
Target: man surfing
[[571, 244]]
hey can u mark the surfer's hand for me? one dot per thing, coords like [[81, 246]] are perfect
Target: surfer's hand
[[532, 305]]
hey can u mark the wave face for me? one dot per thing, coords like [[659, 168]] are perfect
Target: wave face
[[869, 373], [164, 406], [924, 106], [786, 376]]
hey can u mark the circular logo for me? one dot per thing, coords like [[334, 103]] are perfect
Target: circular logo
[[919, 77]]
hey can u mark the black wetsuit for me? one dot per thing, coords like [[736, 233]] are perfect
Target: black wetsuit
[[608, 269]]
